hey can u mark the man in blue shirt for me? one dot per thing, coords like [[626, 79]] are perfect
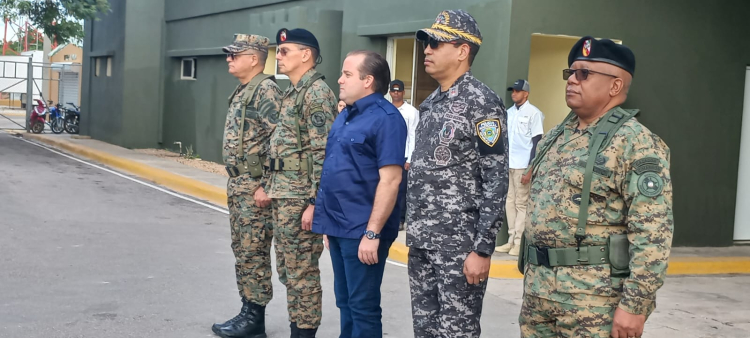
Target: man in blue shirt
[[356, 206]]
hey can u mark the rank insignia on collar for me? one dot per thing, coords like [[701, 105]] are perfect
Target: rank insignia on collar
[[489, 131], [453, 92]]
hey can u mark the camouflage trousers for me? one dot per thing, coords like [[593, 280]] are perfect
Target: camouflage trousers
[[443, 303], [252, 231], [297, 254], [542, 318]]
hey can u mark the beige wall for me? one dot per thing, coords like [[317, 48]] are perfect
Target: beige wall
[[549, 56], [54, 83], [405, 64]]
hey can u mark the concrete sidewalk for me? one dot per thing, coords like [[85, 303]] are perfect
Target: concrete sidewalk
[[212, 188]]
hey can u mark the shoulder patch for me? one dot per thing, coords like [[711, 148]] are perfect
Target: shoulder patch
[[489, 131], [650, 184], [648, 164], [318, 118]]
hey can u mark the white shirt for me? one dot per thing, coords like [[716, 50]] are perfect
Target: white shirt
[[523, 124], [411, 116]]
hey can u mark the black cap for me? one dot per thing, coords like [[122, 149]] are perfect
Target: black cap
[[604, 50], [299, 36], [520, 84], [396, 86]]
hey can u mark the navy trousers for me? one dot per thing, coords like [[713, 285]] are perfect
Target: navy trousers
[[357, 288]]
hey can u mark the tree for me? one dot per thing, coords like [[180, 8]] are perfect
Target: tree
[[60, 20]]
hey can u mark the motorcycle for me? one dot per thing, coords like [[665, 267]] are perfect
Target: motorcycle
[[72, 118], [37, 120]]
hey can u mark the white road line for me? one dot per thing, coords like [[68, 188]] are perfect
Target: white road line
[[222, 210]]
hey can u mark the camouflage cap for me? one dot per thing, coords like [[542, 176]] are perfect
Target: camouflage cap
[[243, 42], [453, 25]]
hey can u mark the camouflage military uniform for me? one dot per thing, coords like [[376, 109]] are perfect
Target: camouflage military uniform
[[297, 250], [631, 193], [251, 225], [457, 186]]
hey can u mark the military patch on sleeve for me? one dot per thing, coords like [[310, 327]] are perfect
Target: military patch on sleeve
[[650, 184], [648, 164], [318, 118], [488, 133]]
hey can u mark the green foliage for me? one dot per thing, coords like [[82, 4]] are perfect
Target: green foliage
[[67, 15]]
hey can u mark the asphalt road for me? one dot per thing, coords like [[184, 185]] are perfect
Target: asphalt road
[[87, 253]]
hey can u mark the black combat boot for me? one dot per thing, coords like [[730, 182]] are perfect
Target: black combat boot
[[302, 333], [251, 324], [307, 333], [295, 330], [243, 312]]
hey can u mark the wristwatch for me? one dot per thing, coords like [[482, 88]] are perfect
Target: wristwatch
[[311, 201], [371, 235]]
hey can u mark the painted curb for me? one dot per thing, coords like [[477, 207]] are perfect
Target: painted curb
[[165, 178], [678, 266], [399, 252], [14, 114]]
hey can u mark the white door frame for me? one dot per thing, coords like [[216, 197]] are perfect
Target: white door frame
[[742, 208]]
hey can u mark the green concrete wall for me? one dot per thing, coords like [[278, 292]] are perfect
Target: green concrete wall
[[367, 25], [689, 81], [143, 73], [195, 110], [102, 96]]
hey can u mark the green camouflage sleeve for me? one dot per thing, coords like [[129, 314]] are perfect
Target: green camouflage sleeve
[[268, 105], [647, 191], [319, 113]]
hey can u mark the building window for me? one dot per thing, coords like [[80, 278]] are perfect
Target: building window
[[272, 65], [189, 67], [66, 57], [97, 66], [109, 66]]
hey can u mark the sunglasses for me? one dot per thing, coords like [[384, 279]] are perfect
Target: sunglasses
[[582, 74], [285, 51], [433, 44], [234, 56]]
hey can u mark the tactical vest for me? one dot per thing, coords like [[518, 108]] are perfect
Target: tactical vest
[[301, 163], [253, 163], [615, 252]]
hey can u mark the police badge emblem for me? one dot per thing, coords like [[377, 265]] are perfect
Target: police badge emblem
[[489, 131]]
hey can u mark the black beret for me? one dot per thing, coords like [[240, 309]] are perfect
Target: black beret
[[604, 50], [299, 36]]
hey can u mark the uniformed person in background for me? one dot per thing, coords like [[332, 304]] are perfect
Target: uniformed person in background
[[457, 184], [600, 218], [297, 151], [253, 112]]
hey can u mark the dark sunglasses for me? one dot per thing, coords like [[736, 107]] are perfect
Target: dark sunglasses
[[284, 51], [233, 56], [434, 43], [582, 74]]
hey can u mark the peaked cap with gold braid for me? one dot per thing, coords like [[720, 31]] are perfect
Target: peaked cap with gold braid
[[453, 25]]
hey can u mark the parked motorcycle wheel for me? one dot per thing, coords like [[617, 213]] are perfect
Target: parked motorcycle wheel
[[37, 127], [58, 125], [71, 126]]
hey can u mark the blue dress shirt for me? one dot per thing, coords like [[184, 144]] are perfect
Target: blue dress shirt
[[365, 137]]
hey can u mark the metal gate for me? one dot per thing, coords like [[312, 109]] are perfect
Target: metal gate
[[21, 81]]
